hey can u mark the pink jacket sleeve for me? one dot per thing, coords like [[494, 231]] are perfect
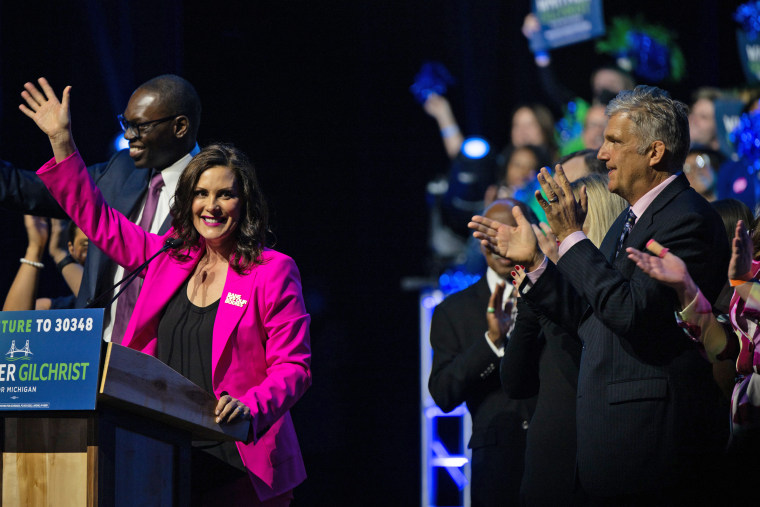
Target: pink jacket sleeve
[[281, 309], [71, 185]]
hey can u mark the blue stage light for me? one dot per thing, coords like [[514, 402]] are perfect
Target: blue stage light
[[119, 142], [454, 280], [475, 148]]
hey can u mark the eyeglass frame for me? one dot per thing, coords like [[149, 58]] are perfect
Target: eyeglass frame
[[135, 127]]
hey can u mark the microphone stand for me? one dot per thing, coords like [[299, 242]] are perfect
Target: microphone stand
[[95, 303]]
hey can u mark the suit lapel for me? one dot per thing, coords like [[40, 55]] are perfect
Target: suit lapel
[[235, 300], [166, 225], [131, 192], [98, 263], [643, 229], [483, 292]]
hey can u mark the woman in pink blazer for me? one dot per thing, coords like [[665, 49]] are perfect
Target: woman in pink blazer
[[259, 337]]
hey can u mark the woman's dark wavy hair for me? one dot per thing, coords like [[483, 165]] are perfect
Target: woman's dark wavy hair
[[251, 230]]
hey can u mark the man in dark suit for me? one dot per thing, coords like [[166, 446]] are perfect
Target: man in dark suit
[[468, 334], [161, 124], [650, 423]]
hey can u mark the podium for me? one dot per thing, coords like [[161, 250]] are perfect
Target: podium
[[133, 449]]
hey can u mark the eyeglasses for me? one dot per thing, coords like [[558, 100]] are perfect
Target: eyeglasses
[[140, 129]]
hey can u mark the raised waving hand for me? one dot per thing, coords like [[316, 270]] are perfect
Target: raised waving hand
[[52, 116]]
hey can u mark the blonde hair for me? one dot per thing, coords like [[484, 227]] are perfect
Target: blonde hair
[[603, 206]]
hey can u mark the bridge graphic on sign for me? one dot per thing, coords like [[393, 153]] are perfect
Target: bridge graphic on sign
[[11, 354]]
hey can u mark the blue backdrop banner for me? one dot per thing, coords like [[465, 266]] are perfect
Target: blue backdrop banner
[[565, 22], [50, 359]]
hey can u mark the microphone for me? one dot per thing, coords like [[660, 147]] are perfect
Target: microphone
[[169, 244]]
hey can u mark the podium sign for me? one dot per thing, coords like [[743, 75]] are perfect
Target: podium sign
[[50, 359]]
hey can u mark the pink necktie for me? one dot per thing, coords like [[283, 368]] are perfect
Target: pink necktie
[[126, 301]]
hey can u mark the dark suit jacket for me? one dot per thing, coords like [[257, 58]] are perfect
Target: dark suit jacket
[[465, 369], [543, 359], [123, 186], [648, 409]]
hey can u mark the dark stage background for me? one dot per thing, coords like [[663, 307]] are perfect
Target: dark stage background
[[317, 94]]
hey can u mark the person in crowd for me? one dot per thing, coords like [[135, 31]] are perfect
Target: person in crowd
[[23, 292], [606, 80], [439, 108], [221, 308], [468, 333], [542, 359], [734, 339], [702, 129], [582, 111], [160, 123], [649, 422], [730, 211], [517, 175], [701, 169], [581, 163], [534, 124], [593, 127], [531, 124], [519, 169]]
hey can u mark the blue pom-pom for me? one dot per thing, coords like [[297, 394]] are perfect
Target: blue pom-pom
[[746, 139], [652, 58], [748, 15], [432, 78]]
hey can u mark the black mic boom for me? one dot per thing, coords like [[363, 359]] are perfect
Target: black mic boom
[[169, 244]]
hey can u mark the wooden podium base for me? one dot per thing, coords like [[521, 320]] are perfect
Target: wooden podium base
[[106, 458], [134, 449]]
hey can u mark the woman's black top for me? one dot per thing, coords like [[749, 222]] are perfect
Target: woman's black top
[[185, 332]]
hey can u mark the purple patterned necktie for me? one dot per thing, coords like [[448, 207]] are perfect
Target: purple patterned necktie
[[126, 301], [629, 221]]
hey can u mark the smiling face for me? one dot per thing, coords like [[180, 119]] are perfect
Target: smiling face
[[157, 147], [630, 173], [216, 205]]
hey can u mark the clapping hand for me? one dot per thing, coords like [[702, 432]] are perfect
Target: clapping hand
[[564, 214], [56, 247], [517, 244], [547, 241], [498, 315], [741, 253], [666, 268], [36, 232]]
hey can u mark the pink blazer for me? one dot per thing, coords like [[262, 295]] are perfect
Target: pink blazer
[[260, 348]]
